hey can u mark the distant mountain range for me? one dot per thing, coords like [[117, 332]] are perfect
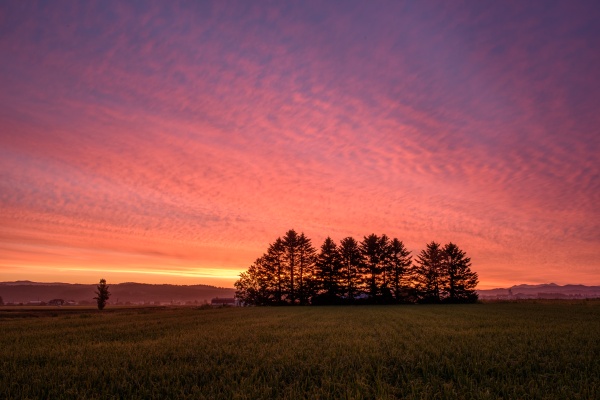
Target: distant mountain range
[[544, 291], [27, 292], [123, 293]]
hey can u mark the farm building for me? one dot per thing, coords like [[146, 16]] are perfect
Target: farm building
[[224, 301]]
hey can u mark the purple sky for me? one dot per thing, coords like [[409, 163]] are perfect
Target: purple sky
[[172, 141]]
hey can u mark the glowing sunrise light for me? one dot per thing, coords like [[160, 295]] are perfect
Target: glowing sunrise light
[[155, 142]]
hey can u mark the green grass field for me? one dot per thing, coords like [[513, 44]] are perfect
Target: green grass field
[[544, 350]]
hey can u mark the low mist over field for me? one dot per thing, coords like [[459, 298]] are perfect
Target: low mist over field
[[140, 293], [123, 293]]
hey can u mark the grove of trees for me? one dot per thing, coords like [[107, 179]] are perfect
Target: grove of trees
[[377, 270]]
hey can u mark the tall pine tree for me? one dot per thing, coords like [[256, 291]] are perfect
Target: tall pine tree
[[459, 281], [351, 260], [373, 273], [427, 273], [385, 269], [291, 246], [257, 286], [329, 271], [400, 261], [306, 266], [275, 261]]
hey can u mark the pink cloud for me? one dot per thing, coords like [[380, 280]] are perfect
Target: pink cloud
[[199, 139]]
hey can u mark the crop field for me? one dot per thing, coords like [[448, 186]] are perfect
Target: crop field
[[529, 350]]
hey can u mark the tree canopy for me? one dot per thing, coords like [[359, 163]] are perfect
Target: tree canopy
[[102, 294], [376, 270]]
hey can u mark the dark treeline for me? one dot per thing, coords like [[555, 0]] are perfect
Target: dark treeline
[[377, 270]]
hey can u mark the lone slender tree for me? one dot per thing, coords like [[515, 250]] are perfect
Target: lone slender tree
[[102, 294]]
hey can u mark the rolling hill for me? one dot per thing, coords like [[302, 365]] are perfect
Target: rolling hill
[[122, 293], [543, 291]]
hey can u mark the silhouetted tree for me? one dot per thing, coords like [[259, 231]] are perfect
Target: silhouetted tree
[[427, 273], [282, 275], [306, 264], [351, 259], [275, 261], [385, 269], [1, 301], [257, 285], [102, 294], [329, 272], [374, 258], [400, 261], [291, 244], [459, 281], [291, 272]]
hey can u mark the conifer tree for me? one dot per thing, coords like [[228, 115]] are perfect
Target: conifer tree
[[400, 261], [306, 263], [257, 285], [274, 261], [329, 270], [269, 279], [291, 243], [427, 273], [351, 259], [373, 255], [459, 280]]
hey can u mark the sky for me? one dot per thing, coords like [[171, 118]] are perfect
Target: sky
[[171, 142]]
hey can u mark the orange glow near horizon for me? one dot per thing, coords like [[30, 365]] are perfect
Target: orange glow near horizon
[[172, 144]]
